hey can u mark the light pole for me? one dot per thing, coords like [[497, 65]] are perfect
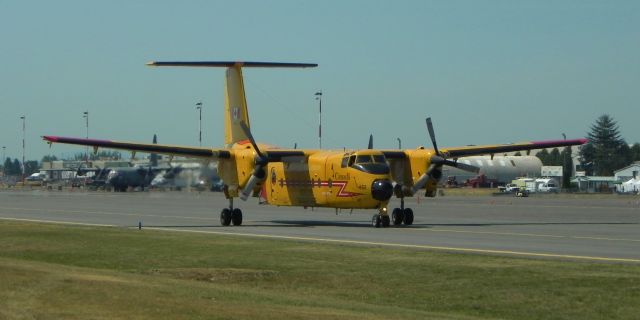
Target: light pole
[[199, 107], [319, 98], [24, 126], [564, 162], [4, 158], [85, 115]]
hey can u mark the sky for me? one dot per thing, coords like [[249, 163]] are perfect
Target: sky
[[485, 71]]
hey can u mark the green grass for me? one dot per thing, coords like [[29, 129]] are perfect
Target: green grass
[[53, 271]]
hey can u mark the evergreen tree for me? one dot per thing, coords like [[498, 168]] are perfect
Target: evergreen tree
[[606, 151], [31, 167], [554, 158], [635, 152], [543, 155], [7, 168], [567, 167], [17, 167]]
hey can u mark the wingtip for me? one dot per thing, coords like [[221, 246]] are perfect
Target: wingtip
[[151, 63]]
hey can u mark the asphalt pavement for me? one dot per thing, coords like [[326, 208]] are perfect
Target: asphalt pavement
[[592, 229]]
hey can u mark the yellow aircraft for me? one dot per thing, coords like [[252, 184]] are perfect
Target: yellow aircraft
[[359, 179]]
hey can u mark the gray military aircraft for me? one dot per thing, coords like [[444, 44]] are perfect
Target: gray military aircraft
[[121, 179]]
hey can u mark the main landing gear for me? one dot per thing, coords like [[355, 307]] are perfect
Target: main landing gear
[[231, 215], [398, 216]]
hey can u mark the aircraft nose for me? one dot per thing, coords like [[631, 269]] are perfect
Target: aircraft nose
[[381, 190]]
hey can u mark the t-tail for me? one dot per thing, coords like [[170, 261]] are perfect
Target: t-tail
[[235, 102]]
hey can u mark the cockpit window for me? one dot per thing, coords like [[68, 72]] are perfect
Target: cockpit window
[[345, 160], [374, 164], [363, 158]]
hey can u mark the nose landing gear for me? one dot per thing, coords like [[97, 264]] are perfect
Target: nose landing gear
[[381, 219]]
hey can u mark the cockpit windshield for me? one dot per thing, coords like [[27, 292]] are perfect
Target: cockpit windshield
[[374, 164]]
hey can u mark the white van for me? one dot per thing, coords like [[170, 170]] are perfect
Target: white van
[[547, 185]]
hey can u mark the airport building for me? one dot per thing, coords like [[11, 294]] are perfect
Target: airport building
[[629, 172]]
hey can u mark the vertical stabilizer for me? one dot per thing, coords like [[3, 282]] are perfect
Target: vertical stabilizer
[[235, 107], [235, 104]]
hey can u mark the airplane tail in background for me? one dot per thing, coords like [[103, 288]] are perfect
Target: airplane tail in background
[[235, 106]]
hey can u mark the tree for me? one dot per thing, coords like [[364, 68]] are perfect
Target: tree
[[17, 168], [554, 158], [30, 167], [606, 151], [49, 158], [543, 155], [567, 167], [635, 152], [7, 168]]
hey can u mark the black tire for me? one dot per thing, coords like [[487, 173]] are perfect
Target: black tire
[[375, 221], [386, 221], [408, 216], [397, 216], [225, 217], [236, 217]]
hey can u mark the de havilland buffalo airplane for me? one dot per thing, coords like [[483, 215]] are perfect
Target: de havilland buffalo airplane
[[359, 179]]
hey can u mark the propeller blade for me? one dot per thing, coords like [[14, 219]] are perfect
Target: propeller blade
[[422, 181], [437, 160], [257, 175], [432, 135], [370, 142], [247, 132], [463, 166]]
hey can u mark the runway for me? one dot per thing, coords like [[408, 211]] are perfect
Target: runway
[[591, 229]]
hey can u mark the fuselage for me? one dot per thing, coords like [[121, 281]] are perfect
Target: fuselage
[[320, 178]]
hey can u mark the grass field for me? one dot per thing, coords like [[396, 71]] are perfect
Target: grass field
[[52, 271]]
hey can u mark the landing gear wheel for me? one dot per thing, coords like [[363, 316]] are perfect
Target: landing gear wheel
[[385, 220], [375, 221], [408, 216], [225, 217], [397, 216], [236, 217]]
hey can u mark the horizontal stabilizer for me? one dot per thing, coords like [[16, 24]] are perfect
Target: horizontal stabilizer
[[230, 64]]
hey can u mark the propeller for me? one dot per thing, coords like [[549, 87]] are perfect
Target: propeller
[[258, 171], [437, 161]]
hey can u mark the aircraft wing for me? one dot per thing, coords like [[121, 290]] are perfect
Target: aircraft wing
[[191, 152], [501, 148], [466, 151]]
